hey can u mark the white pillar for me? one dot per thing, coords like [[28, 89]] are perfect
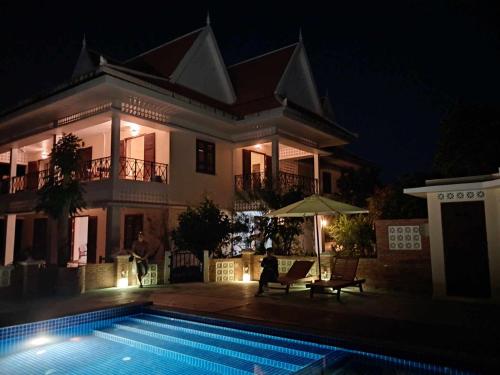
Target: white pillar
[[275, 155], [115, 143], [13, 166], [113, 231], [10, 236], [318, 219], [316, 172]]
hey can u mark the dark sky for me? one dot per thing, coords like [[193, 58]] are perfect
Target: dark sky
[[392, 69]]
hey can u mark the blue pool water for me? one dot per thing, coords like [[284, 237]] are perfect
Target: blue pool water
[[138, 341]]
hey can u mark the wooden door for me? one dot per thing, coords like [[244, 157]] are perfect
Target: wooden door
[[123, 160], [40, 238], [85, 155], [247, 169], [149, 156], [465, 249], [133, 225], [92, 240], [32, 176]]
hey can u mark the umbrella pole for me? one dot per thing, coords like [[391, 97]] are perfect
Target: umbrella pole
[[318, 250]]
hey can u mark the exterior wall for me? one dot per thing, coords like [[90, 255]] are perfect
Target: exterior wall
[[98, 276], [402, 270], [186, 186], [492, 216]]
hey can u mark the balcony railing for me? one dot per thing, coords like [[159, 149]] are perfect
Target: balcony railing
[[92, 170], [254, 182], [140, 170]]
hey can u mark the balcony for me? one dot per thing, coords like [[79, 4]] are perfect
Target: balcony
[[93, 170], [254, 182]]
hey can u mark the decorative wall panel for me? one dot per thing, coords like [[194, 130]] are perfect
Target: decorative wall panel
[[404, 237]]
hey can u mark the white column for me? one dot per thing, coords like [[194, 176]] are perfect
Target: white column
[[316, 171], [13, 166], [275, 155], [10, 235], [115, 143], [317, 221]]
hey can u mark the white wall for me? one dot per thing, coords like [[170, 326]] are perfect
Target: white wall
[[186, 185]]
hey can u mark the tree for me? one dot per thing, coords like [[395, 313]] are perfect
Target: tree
[[282, 232], [354, 235], [201, 228], [356, 185], [61, 195], [390, 202], [469, 141]]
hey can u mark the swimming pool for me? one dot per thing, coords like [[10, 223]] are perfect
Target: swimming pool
[[138, 340]]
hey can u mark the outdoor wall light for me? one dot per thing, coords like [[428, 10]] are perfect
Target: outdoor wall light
[[134, 130], [258, 146], [324, 222], [122, 282], [246, 274]]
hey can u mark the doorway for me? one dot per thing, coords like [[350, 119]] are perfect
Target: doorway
[[465, 249]]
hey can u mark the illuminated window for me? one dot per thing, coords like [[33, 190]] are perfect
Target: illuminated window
[[205, 157]]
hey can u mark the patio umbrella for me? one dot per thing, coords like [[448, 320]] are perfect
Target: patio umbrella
[[313, 206]]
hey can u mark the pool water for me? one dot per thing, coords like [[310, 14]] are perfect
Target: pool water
[[146, 343]]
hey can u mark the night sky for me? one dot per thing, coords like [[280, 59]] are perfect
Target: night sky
[[392, 69]]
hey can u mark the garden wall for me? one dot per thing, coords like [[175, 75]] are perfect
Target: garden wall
[[402, 263]]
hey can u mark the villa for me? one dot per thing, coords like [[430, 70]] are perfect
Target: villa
[[159, 131]]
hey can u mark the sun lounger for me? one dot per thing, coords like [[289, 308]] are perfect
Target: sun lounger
[[343, 276], [297, 273]]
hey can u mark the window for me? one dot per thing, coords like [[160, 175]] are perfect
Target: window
[[205, 157], [133, 225], [327, 182]]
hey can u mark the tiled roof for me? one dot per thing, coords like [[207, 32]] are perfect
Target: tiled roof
[[163, 60], [255, 80]]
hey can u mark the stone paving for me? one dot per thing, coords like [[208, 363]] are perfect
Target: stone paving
[[448, 332]]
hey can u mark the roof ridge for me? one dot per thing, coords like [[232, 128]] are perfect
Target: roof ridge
[[262, 55], [164, 44]]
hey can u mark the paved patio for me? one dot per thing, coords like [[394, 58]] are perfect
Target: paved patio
[[448, 332]]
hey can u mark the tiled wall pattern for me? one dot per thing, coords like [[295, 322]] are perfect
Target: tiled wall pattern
[[404, 237], [469, 195], [284, 265], [224, 271], [5, 276], [152, 277]]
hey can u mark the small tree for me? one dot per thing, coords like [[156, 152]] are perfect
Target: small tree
[[61, 195], [282, 232], [353, 235], [201, 228]]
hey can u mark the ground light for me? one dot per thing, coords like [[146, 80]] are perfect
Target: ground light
[[122, 282]]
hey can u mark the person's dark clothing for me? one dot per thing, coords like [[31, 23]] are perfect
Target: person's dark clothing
[[141, 248], [269, 271]]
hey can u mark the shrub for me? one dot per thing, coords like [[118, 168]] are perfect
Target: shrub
[[354, 235]]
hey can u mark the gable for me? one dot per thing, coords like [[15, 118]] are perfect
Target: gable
[[203, 70], [297, 83]]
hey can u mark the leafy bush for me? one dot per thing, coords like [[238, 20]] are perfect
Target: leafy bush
[[353, 235]]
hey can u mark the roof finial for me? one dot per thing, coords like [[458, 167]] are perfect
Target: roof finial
[[208, 18], [327, 93], [84, 41], [102, 60], [300, 34]]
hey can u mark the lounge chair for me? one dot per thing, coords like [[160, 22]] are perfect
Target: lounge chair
[[297, 272], [343, 276]]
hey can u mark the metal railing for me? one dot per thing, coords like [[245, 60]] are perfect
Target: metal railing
[[92, 170], [140, 170], [254, 182]]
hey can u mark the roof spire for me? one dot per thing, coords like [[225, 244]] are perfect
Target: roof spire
[[84, 41], [300, 34], [208, 18]]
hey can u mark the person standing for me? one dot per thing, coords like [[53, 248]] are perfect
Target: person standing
[[270, 271], [140, 251]]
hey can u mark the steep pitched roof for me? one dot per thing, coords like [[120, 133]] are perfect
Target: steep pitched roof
[[255, 80], [163, 60]]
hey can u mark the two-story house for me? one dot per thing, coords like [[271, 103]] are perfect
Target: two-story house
[[159, 131]]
